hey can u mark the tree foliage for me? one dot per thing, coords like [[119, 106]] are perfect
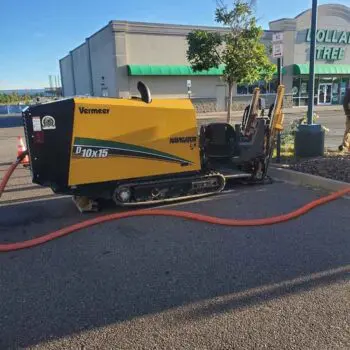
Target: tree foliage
[[14, 98], [237, 47]]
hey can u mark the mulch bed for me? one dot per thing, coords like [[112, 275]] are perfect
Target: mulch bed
[[332, 165]]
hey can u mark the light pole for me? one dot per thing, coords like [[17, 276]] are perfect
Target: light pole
[[309, 138], [310, 110]]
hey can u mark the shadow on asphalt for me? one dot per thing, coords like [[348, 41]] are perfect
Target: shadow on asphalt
[[5, 164], [122, 270], [16, 177], [19, 189], [19, 201], [18, 212], [265, 293]]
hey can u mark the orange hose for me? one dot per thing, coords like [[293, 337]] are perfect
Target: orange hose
[[164, 212], [10, 171]]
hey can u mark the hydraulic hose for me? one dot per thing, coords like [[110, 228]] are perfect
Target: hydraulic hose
[[10, 171], [163, 212]]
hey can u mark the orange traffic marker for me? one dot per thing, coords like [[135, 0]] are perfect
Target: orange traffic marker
[[21, 148]]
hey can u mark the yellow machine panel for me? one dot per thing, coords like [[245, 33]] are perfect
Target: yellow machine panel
[[116, 139], [140, 151]]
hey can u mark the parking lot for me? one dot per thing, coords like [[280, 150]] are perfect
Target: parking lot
[[334, 120], [166, 283]]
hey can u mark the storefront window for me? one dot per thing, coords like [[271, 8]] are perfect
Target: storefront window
[[317, 85], [304, 90], [323, 91], [264, 87], [328, 90], [242, 89], [296, 91], [273, 86], [344, 82], [249, 89], [336, 91]]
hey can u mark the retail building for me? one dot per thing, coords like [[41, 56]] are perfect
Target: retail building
[[111, 61]]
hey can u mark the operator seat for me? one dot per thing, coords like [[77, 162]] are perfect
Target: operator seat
[[218, 140]]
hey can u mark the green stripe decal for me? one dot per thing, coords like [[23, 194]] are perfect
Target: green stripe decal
[[128, 149]]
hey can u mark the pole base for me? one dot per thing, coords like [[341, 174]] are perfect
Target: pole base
[[309, 141]]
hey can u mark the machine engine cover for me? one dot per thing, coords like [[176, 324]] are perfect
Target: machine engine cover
[[95, 140]]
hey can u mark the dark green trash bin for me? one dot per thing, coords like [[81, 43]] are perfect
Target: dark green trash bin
[[309, 141]]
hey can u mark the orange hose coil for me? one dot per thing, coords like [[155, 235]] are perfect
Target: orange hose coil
[[162, 212]]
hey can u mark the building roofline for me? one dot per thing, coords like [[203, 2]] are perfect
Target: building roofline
[[282, 19], [87, 39], [339, 6], [153, 28], [78, 47], [132, 26], [99, 31], [63, 58], [164, 25], [159, 28]]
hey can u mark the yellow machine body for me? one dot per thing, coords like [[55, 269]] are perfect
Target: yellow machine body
[[119, 139], [139, 151]]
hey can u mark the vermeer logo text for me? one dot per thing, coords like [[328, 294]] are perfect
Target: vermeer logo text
[[84, 110]]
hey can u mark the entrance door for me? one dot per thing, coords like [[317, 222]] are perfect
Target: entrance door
[[325, 94]]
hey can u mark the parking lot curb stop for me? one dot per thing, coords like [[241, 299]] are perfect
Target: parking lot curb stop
[[284, 174]]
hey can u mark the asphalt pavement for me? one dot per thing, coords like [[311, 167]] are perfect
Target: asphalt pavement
[[166, 283], [8, 143], [10, 120], [333, 119]]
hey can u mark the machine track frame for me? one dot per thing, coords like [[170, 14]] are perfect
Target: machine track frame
[[187, 181]]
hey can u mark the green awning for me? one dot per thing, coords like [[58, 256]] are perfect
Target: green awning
[[175, 70], [322, 69], [284, 71], [166, 70]]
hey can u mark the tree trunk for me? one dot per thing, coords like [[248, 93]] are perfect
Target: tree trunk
[[230, 88]]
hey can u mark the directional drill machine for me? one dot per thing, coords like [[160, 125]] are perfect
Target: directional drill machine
[[142, 150]]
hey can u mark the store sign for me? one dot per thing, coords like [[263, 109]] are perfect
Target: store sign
[[329, 36], [277, 47], [277, 37], [277, 50]]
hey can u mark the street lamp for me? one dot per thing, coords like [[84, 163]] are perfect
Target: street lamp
[[312, 63], [309, 138]]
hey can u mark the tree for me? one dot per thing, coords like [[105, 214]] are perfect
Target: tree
[[237, 48], [26, 98]]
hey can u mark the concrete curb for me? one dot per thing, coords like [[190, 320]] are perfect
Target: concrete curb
[[303, 179]]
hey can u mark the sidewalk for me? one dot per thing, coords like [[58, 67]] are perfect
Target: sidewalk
[[292, 110]]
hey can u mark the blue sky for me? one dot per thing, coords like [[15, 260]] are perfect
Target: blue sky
[[37, 33]]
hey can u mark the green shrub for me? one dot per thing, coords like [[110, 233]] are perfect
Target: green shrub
[[288, 134]]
